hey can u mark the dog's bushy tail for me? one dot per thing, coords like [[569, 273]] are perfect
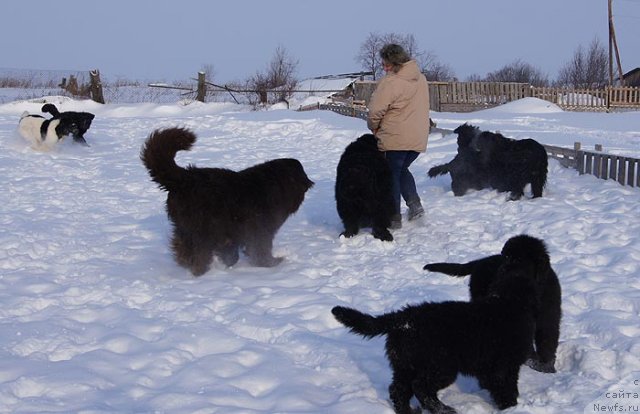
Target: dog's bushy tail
[[451, 269], [51, 109], [158, 156], [368, 325], [438, 170]]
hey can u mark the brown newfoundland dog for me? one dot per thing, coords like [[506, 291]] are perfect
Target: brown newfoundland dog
[[216, 211]]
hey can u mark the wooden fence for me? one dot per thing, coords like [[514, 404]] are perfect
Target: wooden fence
[[590, 99], [472, 96], [624, 170]]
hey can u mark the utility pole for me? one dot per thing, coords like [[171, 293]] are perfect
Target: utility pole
[[613, 46]]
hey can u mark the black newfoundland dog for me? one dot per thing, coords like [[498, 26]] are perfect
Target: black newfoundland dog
[[81, 121], [521, 254], [490, 160], [363, 189], [216, 211], [512, 164], [466, 169], [428, 345]]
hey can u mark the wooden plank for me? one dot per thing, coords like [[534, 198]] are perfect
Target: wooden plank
[[602, 164], [588, 169], [580, 160], [613, 167], [622, 170]]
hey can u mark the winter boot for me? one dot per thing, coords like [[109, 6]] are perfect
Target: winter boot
[[415, 210]]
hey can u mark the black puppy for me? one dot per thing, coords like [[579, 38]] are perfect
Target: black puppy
[[466, 168], [79, 121], [511, 164], [216, 211], [363, 189], [428, 345], [520, 254]]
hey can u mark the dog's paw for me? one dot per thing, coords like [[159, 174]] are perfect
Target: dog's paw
[[230, 257], [544, 367], [514, 196], [349, 233], [382, 234], [267, 261], [428, 266]]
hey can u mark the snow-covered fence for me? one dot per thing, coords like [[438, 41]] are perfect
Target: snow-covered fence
[[624, 170]]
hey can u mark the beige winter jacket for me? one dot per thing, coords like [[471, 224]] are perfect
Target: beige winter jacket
[[399, 110]]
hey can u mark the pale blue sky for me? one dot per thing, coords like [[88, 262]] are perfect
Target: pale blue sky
[[166, 40]]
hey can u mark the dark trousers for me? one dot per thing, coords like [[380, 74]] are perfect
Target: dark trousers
[[403, 183]]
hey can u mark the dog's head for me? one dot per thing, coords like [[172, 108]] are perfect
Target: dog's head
[[77, 124], [526, 256], [83, 121], [65, 127], [466, 133], [484, 141], [368, 140]]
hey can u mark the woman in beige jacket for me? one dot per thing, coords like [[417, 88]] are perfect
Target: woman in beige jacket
[[399, 117]]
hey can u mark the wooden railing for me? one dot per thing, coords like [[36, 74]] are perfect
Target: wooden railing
[[347, 110], [624, 170]]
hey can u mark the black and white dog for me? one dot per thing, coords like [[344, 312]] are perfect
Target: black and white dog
[[43, 133], [81, 121]]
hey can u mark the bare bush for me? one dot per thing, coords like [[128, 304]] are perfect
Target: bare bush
[[518, 71], [277, 82], [587, 69], [437, 71]]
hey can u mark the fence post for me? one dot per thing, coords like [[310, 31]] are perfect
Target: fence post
[[202, 87], [598, 162], [96, 86], [579, 157]]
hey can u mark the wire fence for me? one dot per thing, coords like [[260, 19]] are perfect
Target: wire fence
[[28, 84]]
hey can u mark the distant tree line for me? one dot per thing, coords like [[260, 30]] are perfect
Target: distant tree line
[[588, 68]]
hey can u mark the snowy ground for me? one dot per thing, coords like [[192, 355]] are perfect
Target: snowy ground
[[97, 318]]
